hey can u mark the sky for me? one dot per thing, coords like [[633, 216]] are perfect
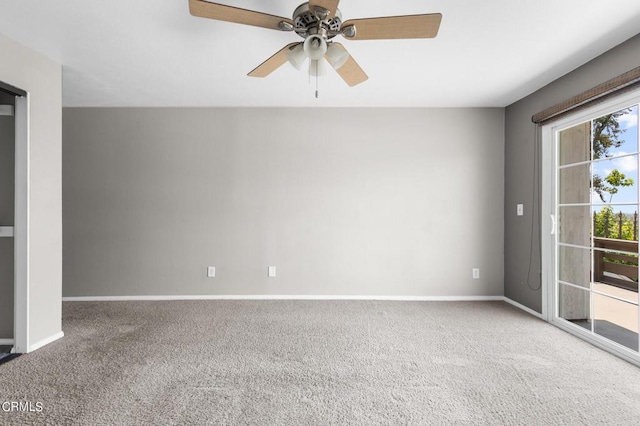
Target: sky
[[625, 159]]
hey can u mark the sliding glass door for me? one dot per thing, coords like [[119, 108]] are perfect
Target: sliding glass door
[[593, 240]]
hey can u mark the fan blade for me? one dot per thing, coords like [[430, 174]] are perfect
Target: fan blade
[[222, 12], [350, 72], [330, 5], [273, 63], [394, 27]]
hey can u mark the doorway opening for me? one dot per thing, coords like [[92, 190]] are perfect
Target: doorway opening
[[7, 224], [14, 219]]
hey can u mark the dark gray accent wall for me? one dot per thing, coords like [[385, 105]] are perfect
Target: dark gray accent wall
[[397, 202], [520, 152]]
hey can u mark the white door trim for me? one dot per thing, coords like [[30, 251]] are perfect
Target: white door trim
[[21, 228], [546, 222]]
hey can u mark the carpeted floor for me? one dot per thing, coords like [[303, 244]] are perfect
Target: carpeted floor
[[316, 363]]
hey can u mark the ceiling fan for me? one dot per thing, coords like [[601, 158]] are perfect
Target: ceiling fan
[[318, 22]]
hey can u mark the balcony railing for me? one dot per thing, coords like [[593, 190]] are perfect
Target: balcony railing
[[618, 269]]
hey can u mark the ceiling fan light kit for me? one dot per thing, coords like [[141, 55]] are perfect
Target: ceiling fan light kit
[[315, 47], [336, 57], [318, 22], [296, 56]]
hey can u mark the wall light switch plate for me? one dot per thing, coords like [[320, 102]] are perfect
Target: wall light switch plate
[[211, 272], [272, 271], [520, 209], [475, 272]]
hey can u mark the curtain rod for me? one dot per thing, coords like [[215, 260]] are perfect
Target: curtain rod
[[615, 86]]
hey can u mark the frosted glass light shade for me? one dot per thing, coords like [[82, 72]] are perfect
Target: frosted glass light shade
[[296, 56], [337, 56], [317, 68], [315, 47]]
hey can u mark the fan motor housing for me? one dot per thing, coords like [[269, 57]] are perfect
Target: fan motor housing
[[306, 22]]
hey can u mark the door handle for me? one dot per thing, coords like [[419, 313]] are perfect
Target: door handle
[[553, 224]]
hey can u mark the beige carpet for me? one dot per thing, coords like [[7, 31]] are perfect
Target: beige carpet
[[317, 363]]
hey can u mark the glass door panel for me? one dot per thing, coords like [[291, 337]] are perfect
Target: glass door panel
[[615, 180], [574, 305], [574, 266], [596, 244], [574, 145], [616, 274], [615, 221], [574, 225], [616, 320], [575, 184]]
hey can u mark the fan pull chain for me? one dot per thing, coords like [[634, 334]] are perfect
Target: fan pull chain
[[314, 64]]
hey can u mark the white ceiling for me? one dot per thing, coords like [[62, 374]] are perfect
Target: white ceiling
[[154, 53]]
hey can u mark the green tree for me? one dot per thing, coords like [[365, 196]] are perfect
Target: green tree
[[606, 223], [614, 180], [606, 132]]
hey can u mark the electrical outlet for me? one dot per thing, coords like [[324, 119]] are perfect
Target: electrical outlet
[[475, 272], [211, 272], [272, 271]]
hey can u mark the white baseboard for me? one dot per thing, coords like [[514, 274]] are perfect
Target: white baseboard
[[524, 308], [284, 297], [6, 342], [45, 341]]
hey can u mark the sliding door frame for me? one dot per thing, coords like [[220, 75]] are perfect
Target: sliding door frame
[[21, 227], [548, 234]]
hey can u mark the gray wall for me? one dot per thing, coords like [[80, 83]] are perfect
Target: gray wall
[[42, 79], [7, 179], [342, 201], [519, 155]]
